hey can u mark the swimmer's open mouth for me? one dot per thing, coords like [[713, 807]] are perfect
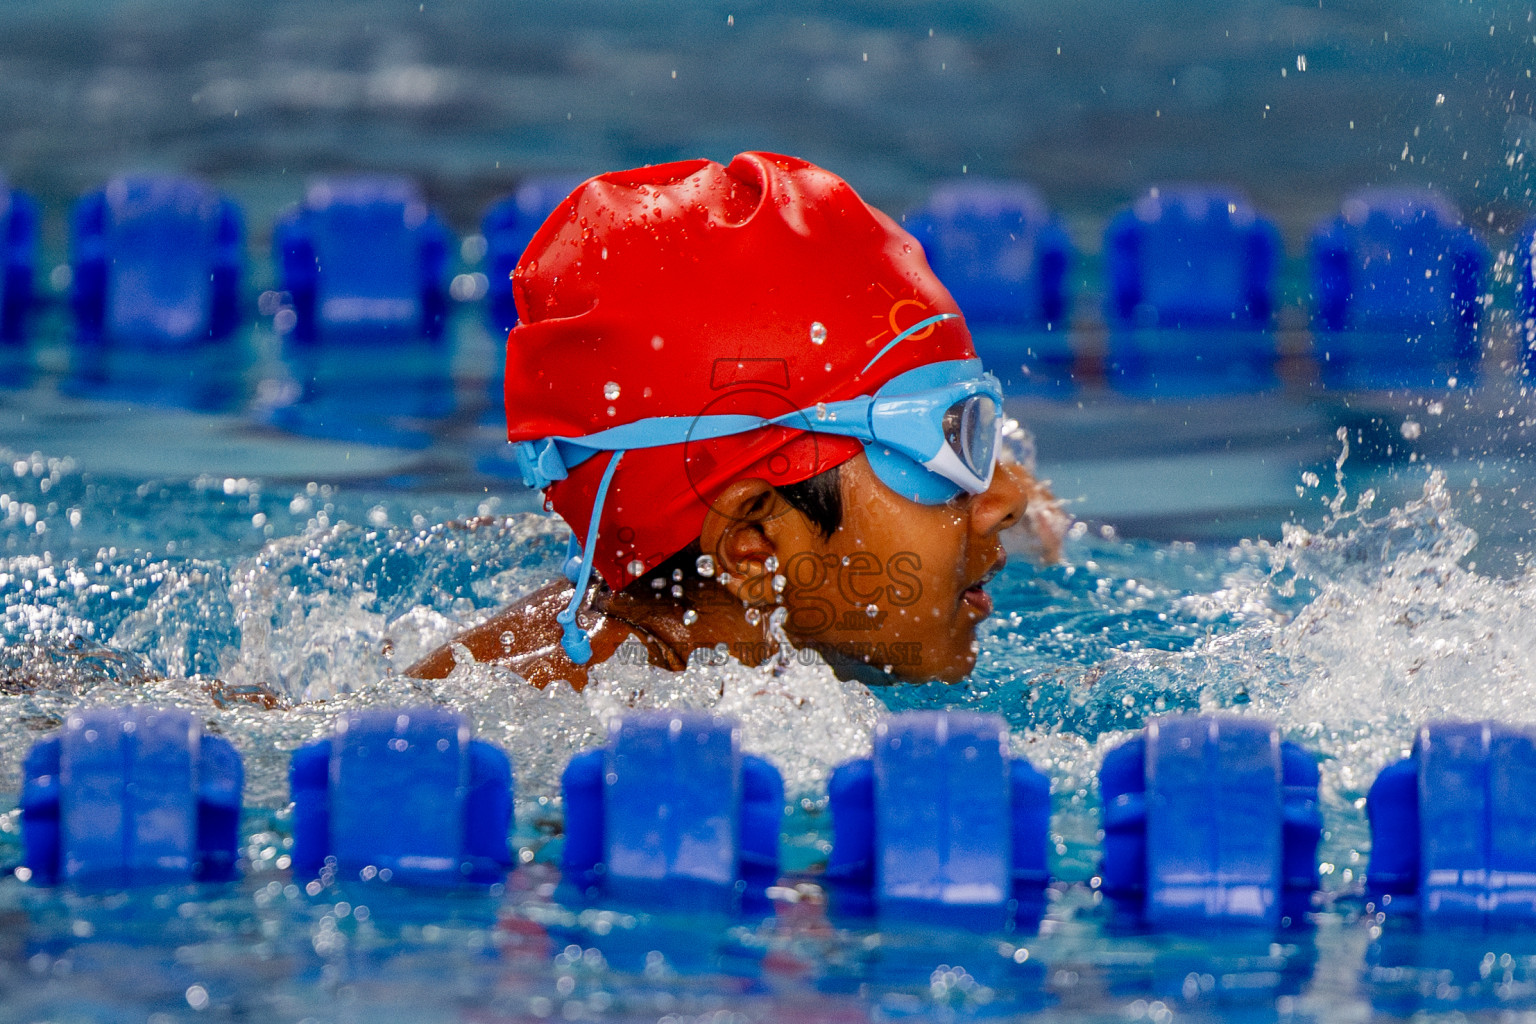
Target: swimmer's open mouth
[[977, 597]]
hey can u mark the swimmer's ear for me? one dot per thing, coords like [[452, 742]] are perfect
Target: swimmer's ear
[[740, 533]]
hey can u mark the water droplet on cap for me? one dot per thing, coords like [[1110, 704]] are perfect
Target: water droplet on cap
[[690, 617], [705, 565], [754, 616], [636, 567], [818, 333], [611, 390], [871, 610], [821, 410]]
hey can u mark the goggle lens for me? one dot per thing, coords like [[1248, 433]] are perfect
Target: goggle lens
[[970, 429]]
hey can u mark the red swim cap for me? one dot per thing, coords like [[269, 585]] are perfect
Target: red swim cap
[[691, 288]]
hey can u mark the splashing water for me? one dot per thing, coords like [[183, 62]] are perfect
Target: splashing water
[[268, 647]]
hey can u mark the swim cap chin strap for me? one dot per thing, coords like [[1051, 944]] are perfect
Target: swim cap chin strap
[[577, 641]]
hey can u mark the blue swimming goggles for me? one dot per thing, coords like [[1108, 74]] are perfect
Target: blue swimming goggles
[[929, 434]]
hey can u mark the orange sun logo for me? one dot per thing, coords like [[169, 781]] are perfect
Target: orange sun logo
[[892, 319]]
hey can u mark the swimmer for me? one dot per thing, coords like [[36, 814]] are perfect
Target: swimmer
[[754, 403]]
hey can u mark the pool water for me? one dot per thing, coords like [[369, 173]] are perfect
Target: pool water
[[210, 535], [267, 606]]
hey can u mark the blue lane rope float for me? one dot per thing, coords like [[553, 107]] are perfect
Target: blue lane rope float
[[402, 795], [1210, 820], [131, 796], [671, 814], [940, 825], [1453, 826]]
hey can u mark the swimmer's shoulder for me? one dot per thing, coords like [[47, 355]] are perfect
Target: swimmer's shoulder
[[525, 637], [514, 637]]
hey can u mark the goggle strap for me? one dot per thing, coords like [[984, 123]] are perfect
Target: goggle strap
[[552, 458], [904, 335], [577, 641], [658, 431]]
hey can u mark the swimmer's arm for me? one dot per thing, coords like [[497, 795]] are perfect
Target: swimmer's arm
[[478, 641], [526, 638], [523, 636]]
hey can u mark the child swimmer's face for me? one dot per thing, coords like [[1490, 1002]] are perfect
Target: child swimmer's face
[[898, 586]]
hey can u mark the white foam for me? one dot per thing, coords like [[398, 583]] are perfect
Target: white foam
[[793, 711]]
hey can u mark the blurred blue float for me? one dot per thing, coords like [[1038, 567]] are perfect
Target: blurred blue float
[[672, 815], [1526, 287], [1210, 820], [403, 796], [1191, 293], [18, 245], [1397, 292], [1453, 826], [131, 796], [364, 260], [940, 826], [1004, 257], [157, 263]]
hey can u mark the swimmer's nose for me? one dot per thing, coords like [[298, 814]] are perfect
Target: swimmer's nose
[[1001, 505]]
